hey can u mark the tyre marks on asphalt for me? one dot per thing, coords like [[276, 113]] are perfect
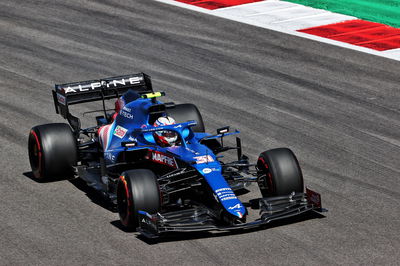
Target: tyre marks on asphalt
[[303, 21]]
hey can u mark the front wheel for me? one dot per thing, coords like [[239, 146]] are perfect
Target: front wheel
[[137, 190], [279, 173]]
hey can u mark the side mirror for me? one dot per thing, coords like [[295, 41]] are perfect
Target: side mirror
[[223, 130], [127, 144]]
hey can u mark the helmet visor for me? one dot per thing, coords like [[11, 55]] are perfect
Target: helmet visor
[[168, 134]]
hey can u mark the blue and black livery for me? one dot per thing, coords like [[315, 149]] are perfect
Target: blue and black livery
[[160, 189]]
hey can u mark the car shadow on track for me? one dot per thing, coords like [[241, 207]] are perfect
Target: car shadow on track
[[32, 177], [91, 193], [174, 237], [94, 195], [100, 200]]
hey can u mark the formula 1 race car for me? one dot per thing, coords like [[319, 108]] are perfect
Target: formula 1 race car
[[159, 188]]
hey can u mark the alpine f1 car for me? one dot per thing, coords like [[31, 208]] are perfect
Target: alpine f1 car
[[160, 188]]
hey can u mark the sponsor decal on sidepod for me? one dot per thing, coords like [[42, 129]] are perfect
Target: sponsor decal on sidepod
[[120, 132], [162, 158]]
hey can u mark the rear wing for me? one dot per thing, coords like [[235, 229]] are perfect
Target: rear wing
[[96, 90]]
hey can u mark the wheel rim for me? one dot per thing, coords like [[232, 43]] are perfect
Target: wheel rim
[[267, 180], [124, 201], [35, 154]]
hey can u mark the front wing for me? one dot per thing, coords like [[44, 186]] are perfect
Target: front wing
[[201, 219]]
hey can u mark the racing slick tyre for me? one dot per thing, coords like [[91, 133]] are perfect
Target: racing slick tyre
[[186, 112], [137, 190], [279, 173], [52, 151]]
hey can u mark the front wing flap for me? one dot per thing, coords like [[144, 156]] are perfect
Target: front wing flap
[[201, 219]]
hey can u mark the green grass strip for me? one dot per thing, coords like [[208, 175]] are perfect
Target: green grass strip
[[382, 11]]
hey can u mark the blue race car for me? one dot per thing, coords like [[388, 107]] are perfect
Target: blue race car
[[157, 164]]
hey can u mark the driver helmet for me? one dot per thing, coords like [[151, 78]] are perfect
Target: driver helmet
[[166, 138]]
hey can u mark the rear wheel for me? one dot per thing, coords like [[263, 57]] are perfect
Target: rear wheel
[[186, 112], [52, 151], [279, 173], [137, 190]]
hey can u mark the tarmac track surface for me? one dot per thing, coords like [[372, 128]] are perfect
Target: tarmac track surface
[[337, 109]]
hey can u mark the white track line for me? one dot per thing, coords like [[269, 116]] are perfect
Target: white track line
[[287, 18], [394, 53]]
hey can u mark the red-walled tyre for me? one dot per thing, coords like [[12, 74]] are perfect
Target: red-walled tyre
[[279, 173], [52, 151], [137, 190]]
